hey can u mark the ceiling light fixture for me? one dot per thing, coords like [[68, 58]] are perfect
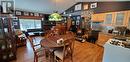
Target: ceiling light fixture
[[55, 16]]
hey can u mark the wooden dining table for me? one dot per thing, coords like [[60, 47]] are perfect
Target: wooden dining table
[[51, 42]]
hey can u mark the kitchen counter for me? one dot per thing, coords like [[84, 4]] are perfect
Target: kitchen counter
[[114, 53], [103, 38]]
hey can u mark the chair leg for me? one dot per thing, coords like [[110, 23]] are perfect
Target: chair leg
[[54, 58], [71, 59], [34, 59]]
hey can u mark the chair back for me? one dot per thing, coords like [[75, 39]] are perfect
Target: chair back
[[31, 42], [68, 47], [49, 33]]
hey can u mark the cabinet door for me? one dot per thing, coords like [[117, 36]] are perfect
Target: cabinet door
[[129, 23], [94, 17], [100, 17], [108, 19], [120, 18]]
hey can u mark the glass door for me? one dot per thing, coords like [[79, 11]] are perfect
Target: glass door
[[1, 29]]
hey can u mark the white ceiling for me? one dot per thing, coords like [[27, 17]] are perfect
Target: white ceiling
[[48, 6], [44, 6]]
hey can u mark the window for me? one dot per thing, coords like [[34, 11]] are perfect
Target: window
[[29, 24], [119, 18], [108, 19]]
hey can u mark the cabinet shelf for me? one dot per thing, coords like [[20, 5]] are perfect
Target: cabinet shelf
[[7, 39]]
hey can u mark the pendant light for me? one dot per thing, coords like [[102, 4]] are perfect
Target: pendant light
[[55, 16]]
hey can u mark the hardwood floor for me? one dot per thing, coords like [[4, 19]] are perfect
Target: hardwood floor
[[83, 52]]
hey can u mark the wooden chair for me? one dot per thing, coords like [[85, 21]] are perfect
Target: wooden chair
[[38, 52], [66, 52]]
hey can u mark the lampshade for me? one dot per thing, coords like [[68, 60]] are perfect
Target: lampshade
[[55, 17]]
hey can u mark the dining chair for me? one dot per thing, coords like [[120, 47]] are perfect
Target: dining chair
[[66, 52], [38, 50]]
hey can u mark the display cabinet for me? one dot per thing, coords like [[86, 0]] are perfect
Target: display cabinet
[[7, 39]]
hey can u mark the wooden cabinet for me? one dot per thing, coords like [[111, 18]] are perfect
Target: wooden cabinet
[[128, 23], [21, 40], [116, 18], [121, 18], [7, 39], [109, 18], [94, 17], [98, 17], [103, 38]]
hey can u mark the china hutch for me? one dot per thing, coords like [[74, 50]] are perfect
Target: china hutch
[[7, 38]]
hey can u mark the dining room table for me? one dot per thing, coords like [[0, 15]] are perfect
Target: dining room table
[[52, 44]]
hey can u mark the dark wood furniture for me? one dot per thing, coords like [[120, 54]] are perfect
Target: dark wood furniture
[[93, 36], [51, 41], [7, 39], [39, 51], [65, 53], [21, 40]]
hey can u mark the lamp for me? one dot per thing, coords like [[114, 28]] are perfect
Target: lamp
[[55, 16]]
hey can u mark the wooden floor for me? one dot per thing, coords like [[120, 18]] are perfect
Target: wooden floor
[[83, 52]]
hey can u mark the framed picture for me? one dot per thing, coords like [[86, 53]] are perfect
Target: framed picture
[[36, 14], [78, 17], [7, 6], [93, 5], [77, 22], [78, 7], [31, 14], [85, 7], [18, 13], [40, 14], [26, 13]]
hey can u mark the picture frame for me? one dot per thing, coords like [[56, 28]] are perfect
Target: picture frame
[[78, 7], [31, 14], [93, 5], [36, 14], [40, 14], [85, 6], [18, 13], [77, 22], [7, 7], [26, 13]]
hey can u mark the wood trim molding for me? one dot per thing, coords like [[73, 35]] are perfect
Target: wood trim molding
[[30, 17]]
